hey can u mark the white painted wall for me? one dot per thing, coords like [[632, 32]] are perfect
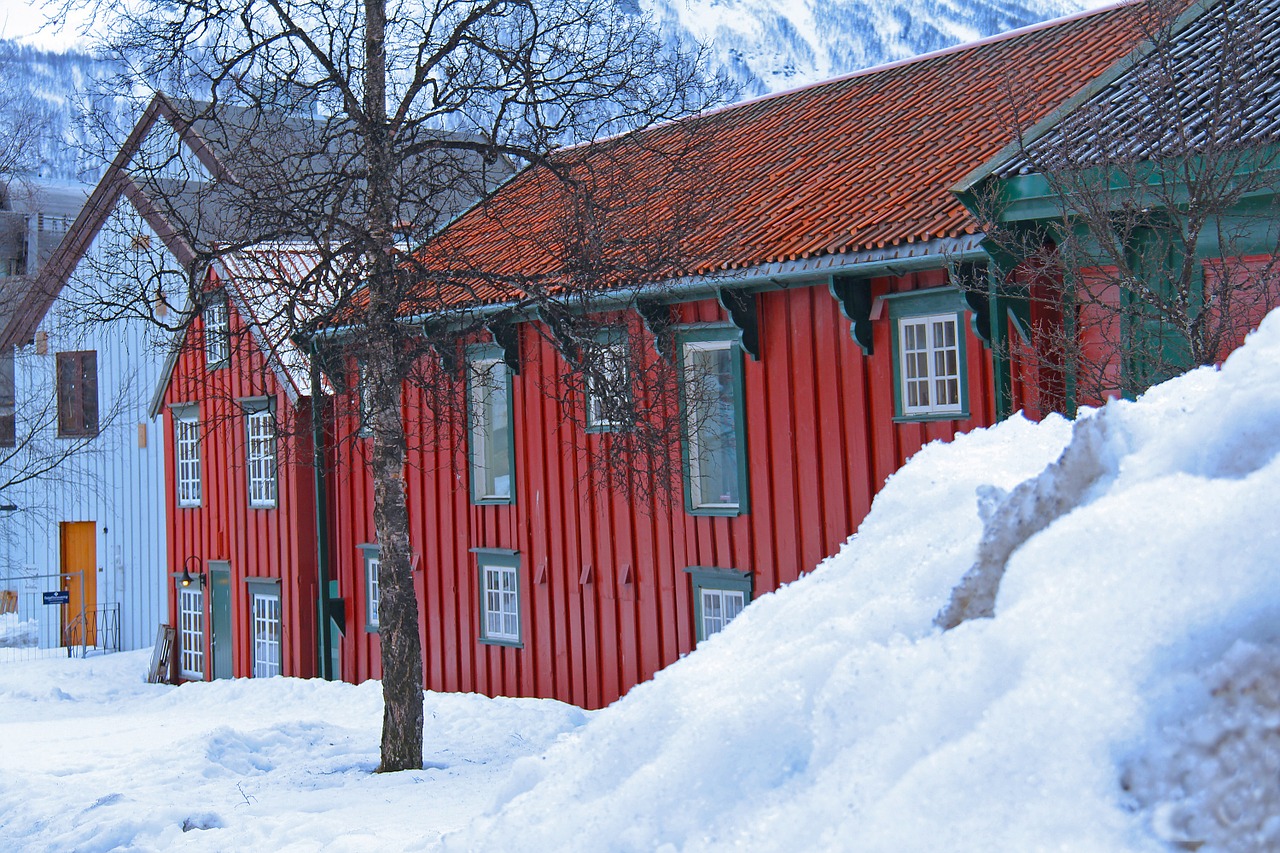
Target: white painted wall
[[112, 482]]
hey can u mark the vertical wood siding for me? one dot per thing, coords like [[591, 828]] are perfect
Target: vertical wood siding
[[111, 482], [821, 438]]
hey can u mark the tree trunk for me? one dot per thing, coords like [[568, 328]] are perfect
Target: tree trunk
[[397, 607]]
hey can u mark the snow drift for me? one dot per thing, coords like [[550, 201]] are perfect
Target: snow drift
[[1125, 695]]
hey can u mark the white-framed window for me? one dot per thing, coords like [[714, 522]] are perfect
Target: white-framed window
[[718, 607], [719, 595], [186, 451], [260, 455], [711, 393], [372, 586], [191, 632], [607, 383], [489, 412], [929, 354], [265, 612], [217, 335], [499, 596]]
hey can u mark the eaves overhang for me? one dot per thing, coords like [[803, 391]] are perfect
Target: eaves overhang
[[892, 260]]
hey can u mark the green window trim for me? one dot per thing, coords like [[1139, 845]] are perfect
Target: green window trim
[[500, 564], [370, 560], [933, 302], [610, 338], [260, 617], [712, 578], [493, 354], [714, 334]]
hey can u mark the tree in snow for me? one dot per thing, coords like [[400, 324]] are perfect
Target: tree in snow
[[1138, 224], [408, 111]]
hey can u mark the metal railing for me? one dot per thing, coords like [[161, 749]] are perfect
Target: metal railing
[[45, 615], [93, 630]]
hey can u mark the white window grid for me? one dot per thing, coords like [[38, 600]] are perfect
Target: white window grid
[[191, 632], [701, 401], [719, 606], [603, 397], [374, 596], [930, 363], [217, 335], [266, 635], [261, 458], [490, 416], [186, 427], [501, 603]]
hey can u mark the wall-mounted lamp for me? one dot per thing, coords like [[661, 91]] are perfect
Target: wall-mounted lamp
[[187, 578]]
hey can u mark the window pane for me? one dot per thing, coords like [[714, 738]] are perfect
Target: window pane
[[491, 429], [713, 442]]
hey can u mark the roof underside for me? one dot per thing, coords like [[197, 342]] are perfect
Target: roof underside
[[856, 164]]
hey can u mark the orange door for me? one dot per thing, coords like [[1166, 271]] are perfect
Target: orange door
[[80, 578]]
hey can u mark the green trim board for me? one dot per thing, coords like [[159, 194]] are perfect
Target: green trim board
[[923, 303], [729, 336], [711, 577], [494, 355], [501, 559]]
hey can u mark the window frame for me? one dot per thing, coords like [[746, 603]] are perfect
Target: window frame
[[928, 305], [724, 337], [613, 338], [371, 559], [185, 628], [260, 411], [266, 590], [187, 415], [712, 578], [489, 355], [75, 399], [505, 561], [217, 335], [8, 398]]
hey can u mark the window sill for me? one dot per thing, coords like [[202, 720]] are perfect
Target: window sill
[[492, 502], [510, 644], [941, 416], [721, 511]]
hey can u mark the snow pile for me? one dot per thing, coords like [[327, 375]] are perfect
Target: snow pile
[[16, 632], [1125, 695]]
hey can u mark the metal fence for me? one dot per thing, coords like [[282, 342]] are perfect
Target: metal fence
[[45, 615]]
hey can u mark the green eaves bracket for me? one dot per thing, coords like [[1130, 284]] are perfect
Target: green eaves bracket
[[741, 307], [854, 296]]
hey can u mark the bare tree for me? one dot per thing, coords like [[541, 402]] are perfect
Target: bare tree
[[1139, 224], [361, 129]]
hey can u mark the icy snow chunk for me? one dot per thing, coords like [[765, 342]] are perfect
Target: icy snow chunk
[[1010, 519], [1214, 779]]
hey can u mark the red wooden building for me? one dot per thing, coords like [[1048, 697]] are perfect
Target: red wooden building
[[817, 308], [240, 500], [825, 222]]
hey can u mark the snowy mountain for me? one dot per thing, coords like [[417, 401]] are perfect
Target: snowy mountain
[[772, 45], [764, 45]]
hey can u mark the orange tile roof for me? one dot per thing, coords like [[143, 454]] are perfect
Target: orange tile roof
[[861, 162]]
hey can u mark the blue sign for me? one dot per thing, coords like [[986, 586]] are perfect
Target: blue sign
[[58, 596]]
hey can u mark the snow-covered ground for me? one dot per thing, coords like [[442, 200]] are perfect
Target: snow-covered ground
[[1125, 696]]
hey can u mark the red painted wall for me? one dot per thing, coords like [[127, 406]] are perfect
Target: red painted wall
[[821, 438], [258, 543]]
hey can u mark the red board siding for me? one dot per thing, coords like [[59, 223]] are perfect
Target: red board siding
[[821, 438], [276, 543]]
